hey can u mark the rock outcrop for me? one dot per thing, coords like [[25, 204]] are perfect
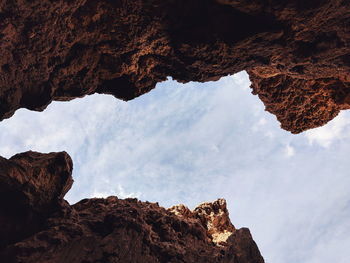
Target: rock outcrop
[[296, 52], [32, 185], [38, 225]]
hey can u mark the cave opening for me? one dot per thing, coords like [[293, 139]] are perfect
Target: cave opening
[[195, 142]]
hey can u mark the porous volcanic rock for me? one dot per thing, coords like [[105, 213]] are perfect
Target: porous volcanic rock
[[39, 226], [295, 51]]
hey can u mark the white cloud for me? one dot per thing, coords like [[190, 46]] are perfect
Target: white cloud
[[336, 129], [119, 191], [289, 150]]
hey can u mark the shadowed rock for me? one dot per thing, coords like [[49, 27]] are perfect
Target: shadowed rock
[[32, 186], [296, 52]]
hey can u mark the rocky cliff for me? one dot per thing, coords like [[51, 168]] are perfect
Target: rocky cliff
[[38, 225], [296, 52]]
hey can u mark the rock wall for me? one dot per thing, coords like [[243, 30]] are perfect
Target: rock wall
[[296, 52], [38, 225]]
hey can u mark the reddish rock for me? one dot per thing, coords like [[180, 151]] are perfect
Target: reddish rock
[[107, 230], [213, 216], [300, 104], [296, 52], [32, 186]]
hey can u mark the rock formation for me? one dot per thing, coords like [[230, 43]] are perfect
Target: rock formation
[[296, 52], [30, 186], [38, 225]]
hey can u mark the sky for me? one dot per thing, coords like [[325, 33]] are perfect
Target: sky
[[196, 142]]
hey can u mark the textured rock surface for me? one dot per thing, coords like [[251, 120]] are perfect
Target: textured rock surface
[[105, 230], [31, 187], [214, 216], [296, 52]]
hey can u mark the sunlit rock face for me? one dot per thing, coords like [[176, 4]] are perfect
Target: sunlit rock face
[[296, 52], [213, 216], [38, 225]]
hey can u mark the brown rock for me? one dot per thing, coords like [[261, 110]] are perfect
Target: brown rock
[[296, 52], [300, 104], [216, 219], [32, 185], [213, 216], [107, 230]]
